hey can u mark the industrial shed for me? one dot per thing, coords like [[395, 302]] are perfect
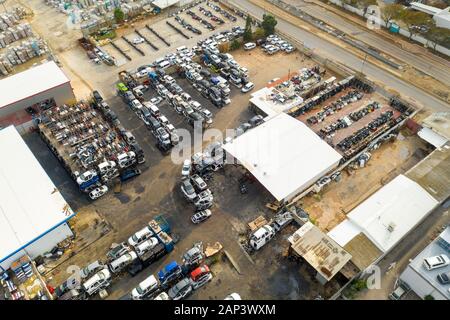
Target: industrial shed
[[30, 88], [424, 282], [388, 215], [33, 214], [284, 155], [320, 251]]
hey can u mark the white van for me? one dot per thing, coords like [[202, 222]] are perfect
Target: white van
[[182, 48], [436, 262], [120, 263], [261, 237], [97, 282], [144, 288]]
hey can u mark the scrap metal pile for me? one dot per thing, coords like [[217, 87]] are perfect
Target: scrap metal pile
[[332, 108], [347, 121], [357, 138], [91, 146]]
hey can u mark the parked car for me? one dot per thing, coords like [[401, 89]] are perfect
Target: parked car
[[188, 190], [118, 250], [261, 236], [146, 246], [186, 169], [120, 263], [98, 192], [128, 174], [169, 273], [156, 100], [436, 262], [204, 200], [140, 236], [201, 216], [248, 87], [200, 276], [90, 269], [145, 288], [249, 46], [162, 296], [97, 282], [233, 296], [399, 292], [444, 278], [198, 183], [181, 290], [138, 40]]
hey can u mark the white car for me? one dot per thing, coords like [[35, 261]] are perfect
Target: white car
[[249, 46], [98, 192], [248, 87], [144, 288], [92, 268], [186, 170], [140, 236], [138, 40], [156, 100], [162, 296], [146, 246], [233, 296]]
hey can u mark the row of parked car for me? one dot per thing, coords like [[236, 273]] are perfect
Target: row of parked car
[[163, 130], [273, 44], [142, 248]]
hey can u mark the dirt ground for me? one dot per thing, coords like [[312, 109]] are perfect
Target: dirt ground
[[330, 206]]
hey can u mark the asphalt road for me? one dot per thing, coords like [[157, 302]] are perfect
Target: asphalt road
[[333, 52], [437, 70]]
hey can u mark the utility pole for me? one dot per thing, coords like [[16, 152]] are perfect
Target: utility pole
[[364, 62]]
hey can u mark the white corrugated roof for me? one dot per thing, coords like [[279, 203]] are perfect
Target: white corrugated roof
[[162, 4], [30, 82], [30, 204], [390, 213], [284, 155], [432, 137]]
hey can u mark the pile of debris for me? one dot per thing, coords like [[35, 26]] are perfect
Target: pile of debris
[[14, 33]]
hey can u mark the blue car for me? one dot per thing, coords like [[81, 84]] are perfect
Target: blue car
[[128, 174], [169, 273]]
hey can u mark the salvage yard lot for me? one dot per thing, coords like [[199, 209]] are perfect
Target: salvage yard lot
[[157, 191]]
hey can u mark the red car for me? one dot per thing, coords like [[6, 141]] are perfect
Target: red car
[[200, 276]]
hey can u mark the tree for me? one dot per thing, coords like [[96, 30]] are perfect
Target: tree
[[439, 36], [119, 15], [268, 24], [258, 34], [248, 29], [391, 12], [235, 45], [414, 20]]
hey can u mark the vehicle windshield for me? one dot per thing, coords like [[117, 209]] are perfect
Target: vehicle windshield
[[135, 238], [139, 290]]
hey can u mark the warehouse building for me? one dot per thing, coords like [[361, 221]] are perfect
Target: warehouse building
[[425, 282], [284, 155], [33, 214], [37, 87], [379, 223]]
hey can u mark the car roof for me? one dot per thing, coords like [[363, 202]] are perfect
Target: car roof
[[198, 271]]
